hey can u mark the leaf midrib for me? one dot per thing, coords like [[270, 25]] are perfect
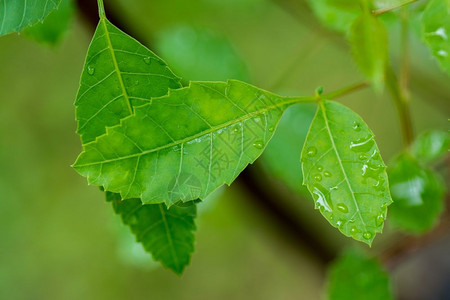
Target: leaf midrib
[[116, 66], [198, 135], [358, 211], [169, 238]]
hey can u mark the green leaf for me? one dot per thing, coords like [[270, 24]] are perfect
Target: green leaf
[[184, 145], [431, 146], [417, 193], [200, 54], [368, 38], [336, 14], [436, 31], [345, 173], [55, 25], [15, 15], [119, 73], [354, 276], [168, 234]]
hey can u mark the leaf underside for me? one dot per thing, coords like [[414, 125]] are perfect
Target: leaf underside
[[344, 172], [184, 145], [168, 234], [18, 14], [436, 31]]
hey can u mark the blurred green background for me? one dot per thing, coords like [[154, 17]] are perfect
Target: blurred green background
[[59, 239]]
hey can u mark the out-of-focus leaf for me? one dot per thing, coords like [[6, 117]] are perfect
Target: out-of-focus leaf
[[168, 234], [119, 73], [345, 173], [354, 276], [280, 159], [417, 193], [436, 31], [336, 14], [369, 41], [18, 14], [200, 54], [431, 145], [184, 145], [55, 25]]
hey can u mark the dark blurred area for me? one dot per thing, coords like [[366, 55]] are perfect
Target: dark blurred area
[[258, 239]]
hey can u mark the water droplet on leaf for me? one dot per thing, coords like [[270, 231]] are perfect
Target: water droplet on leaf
[[147, 60], [271, 129], [327, 174], [342, 207], [318, 177], [90, 70], [311, 151], [367, 235], [356, 126], [258, 145], [319, 168]]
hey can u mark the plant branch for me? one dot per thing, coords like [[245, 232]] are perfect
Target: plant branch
[[345, 91], [385, 10]]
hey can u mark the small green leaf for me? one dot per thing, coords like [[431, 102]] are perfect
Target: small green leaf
[[15, 15], [168, 234], [431, 146], [368, 38], [436, 31], [417, 193], [354, 276], [55, 25], [119, 73], [200, 54], [345, 173], [184, 145], [336, 14]]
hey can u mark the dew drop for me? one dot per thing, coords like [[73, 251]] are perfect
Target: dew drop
[[342, 207], [311, 151], [271, 128], [236, 129], [367, 235], [318, 177], [353, 230], [258, 144], [327, 174], [380, 220], [322, 197], [363, 157], [147, 60], [339, 224], [319, 168], [356, 126], [363, 144], [90, 70]]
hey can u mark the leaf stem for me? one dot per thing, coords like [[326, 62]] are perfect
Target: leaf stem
[[376, 13], [101, 9], [346, 90]]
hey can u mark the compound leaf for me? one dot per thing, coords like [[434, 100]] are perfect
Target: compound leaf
[[184, 145], [417, 193], [436, 31], [354, 276], [119, 73], [55, 25], [168, 234], [15, 15], [368, 38], [345, 173]]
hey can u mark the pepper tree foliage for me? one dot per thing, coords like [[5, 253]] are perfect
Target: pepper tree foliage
[[150, 143]]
